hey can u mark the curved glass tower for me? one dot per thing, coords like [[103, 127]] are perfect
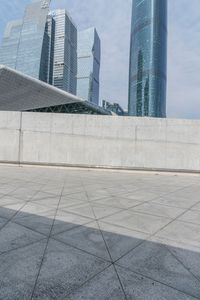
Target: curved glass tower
[[148, 59]]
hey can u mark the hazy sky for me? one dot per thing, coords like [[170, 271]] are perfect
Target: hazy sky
[[112, 20]]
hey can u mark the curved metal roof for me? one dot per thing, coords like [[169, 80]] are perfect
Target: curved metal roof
[[20, 92]]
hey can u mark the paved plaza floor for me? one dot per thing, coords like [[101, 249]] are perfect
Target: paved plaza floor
[[95, 235]]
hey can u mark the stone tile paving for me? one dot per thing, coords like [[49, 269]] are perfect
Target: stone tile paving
[[94, 235]]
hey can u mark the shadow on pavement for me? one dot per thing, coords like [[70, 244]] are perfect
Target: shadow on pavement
[[48, 252]]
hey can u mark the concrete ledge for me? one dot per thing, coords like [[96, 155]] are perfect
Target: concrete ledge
[[103, 168]]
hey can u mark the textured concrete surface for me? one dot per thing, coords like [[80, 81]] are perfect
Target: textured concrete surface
[[90, 234], [100, 141]]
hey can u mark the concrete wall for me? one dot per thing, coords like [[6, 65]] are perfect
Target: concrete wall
[[100, 141], [9, 136]]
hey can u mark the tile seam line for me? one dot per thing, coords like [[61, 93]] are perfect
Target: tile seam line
[[33, 230], [21, 247], [45, 249], [90, 254], [10, 193], [90, 279], [148, 214], [154, 234], [124, 227], [188, 222], [10, 219], [94, 219], [182, 263], [101, 206], [119, 280], [82, 250], [121, 209], [116, 272], [145, 202], [75, 227], [149, 202], [5, 207], [175, 219], [153, 279]]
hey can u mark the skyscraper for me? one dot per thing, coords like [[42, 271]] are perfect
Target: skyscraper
[[24, 45], [10, 43], [48, 48], [43, 45], [30, 45], [89, 56], [65, 52], [148, 58]]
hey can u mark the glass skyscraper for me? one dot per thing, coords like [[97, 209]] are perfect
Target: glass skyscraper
[[89, 56], [65, 52], [25, 42], [43, 45], [9, 48], [31, 40], [148, 59], [48, 49]]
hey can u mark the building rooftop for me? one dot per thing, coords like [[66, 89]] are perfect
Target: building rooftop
[[62, 11], [94, 234]]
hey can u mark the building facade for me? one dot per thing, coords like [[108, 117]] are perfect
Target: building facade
[[24, 45], [29, 54], [89, 57], [148, 59], [10, 43], [65, 52], [48, 48], [43, 45]]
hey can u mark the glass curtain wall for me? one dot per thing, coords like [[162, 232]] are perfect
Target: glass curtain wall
[[148, 59], [31, 40], [10, 44], [65, 52], [89, 56]]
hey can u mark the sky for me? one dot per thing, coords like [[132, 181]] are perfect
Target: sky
[[112, 20]]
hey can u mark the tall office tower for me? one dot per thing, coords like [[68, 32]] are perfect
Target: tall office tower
[[48, 49], [148, 59], [43, 45], [89, 56], [65, 52], [24, 45], [29, 55], [10, 44]]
